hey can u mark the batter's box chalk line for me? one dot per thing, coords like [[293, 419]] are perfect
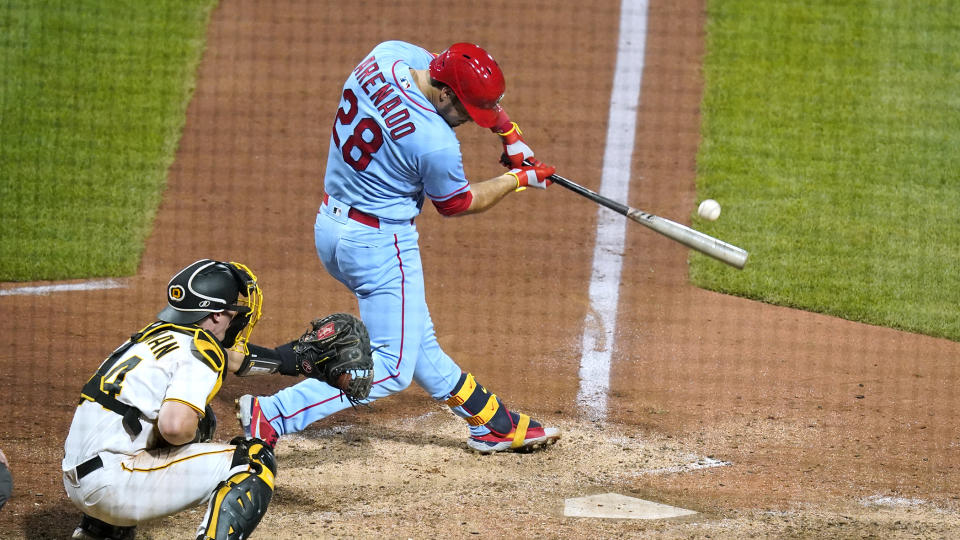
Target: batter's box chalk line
[[893, 502], [701, 463]]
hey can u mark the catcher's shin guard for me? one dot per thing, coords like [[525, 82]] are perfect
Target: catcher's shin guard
[[494, 428], [240, 501]]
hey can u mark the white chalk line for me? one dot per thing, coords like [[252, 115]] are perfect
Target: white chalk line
[[601, 320], [63, 287], [890, 501], [702, 463]]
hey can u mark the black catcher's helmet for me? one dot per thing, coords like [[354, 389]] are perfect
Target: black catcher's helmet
[[209, 286]]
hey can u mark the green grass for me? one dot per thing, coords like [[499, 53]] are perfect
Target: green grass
[[92, 102], [831, 136]]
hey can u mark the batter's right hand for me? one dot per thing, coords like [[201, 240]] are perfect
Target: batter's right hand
[[535, 175], [515, 149]]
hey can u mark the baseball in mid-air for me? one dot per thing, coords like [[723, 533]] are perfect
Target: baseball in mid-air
[[709, 209]]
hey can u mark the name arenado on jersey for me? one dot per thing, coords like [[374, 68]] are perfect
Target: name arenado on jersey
[[368, 75]]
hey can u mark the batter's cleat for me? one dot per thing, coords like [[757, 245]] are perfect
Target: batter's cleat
[[94, 529], [253, 422], [525, 436]]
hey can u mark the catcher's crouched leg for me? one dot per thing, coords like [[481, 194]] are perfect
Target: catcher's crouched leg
[[494, 428], [239, 502]]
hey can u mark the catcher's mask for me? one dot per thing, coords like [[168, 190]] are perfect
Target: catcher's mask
[[209, 286]]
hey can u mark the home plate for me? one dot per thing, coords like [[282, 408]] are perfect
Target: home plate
[[615, 506]]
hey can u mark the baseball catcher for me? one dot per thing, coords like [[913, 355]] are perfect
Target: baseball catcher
[[147, 409], [335, 350]]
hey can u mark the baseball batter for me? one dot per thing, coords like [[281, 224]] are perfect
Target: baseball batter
[[136, 449], [393, 147]]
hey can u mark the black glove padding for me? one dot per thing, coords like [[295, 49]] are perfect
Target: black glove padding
[[334, 346], [206, 426]]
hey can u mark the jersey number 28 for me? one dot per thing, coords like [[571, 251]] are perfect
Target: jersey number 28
[[366, 139]]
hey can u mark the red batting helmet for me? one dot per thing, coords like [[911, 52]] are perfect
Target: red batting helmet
[[474, 77]]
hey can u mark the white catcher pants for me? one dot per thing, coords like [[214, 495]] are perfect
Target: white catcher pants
[[129, 490]]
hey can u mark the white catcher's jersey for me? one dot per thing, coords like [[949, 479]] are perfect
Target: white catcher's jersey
[[169, 363]]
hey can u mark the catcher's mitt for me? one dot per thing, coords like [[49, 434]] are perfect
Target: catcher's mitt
[[336, 349]]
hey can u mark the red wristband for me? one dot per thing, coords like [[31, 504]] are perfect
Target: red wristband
[[502, 123]]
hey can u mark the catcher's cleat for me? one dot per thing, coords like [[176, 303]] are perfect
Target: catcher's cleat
[[94, 529], [253, 422], [526, 436]]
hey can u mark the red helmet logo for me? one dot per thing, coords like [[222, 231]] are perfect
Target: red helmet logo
[[474, 77]]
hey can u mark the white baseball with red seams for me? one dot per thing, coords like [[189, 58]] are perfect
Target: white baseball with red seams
[[709, 210]]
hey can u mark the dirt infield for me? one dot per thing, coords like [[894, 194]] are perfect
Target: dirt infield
[[828, 428]]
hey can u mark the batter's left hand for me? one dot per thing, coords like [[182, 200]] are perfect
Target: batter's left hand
[[536, 174], [515, 150]]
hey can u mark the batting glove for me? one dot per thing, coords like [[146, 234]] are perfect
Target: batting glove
[[515, 150], [536, 175]]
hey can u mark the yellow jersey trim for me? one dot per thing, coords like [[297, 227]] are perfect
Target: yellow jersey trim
[[200, 412]]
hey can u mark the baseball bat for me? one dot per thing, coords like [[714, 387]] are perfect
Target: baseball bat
[[693, 239]]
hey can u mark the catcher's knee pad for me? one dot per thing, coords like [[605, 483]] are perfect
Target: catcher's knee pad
[[479, 407], [240, 501]]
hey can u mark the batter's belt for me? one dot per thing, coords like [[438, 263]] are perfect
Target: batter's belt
[[336, 207]]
